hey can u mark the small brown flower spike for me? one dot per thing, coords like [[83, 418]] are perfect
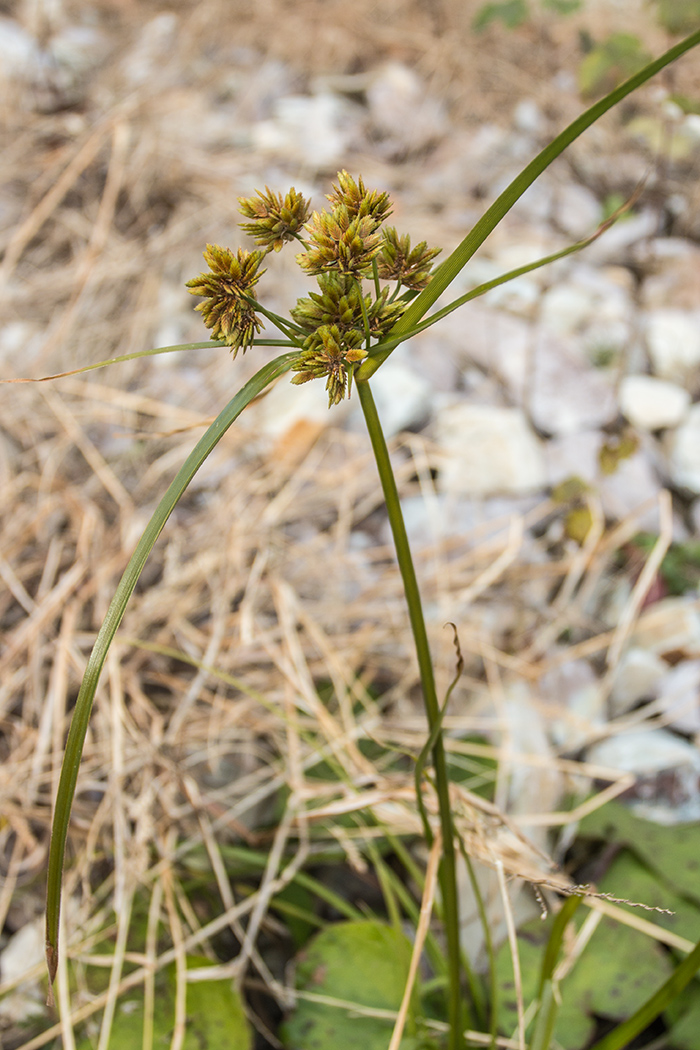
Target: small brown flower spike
[[360, 202], [274, 219], [328, 352], [334, 327], [227, 290], [397, 262], [338, 241]]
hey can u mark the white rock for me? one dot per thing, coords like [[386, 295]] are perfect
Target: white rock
[[402, 397], [644, 751], [403, 114], [683, 447], [636, 678], [573, 690], [674, 278], [617, 242], [17, 50], [633, 484], [566, 393], [288, 409], [651, 403], [311, 130], [679, 693], [565, 308], [667, 769], [24, 951], [488, 450], [673, 340], [671, 625], [528, 117], [498, 343], [154, 43], [573, 455], [576, 210]]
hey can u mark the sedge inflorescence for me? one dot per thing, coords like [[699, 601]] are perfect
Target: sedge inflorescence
[[335, 328]]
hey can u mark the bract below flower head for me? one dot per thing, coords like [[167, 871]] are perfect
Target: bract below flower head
[[228, 290]]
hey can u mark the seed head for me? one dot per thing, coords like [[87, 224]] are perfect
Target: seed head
[[227, 290], [338, 241], [329, 352], [274, 219], [397, 262], [360, 203]]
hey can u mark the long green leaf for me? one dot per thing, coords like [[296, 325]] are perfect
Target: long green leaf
[[451, 267], [83, 706], [622, 1036]]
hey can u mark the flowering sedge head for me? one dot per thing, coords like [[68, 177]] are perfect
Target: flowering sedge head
[[228, 307], [344, 245], [274, 219]]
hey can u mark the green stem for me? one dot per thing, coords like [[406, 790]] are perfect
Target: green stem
[[448, 869]]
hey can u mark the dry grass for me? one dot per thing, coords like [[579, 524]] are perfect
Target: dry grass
[[209, 712]]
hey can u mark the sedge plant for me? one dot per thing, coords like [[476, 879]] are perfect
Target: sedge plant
[[375, 291]]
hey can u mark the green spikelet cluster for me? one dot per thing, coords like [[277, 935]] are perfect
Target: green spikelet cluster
[[335, 327]]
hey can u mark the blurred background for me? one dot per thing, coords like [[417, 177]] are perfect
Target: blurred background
[[546, 438]]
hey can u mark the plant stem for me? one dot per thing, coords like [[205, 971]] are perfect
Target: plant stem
[[448, 870]]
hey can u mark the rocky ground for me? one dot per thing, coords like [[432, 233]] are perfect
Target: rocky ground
[[536, 432]]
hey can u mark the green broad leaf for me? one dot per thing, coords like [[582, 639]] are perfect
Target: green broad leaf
[[364, 963], [671, 852], [684, 1019], [620, 56], [512, 13], [618, 971], [574, 1026], [678, 16], [215, 1015], [629, 878]]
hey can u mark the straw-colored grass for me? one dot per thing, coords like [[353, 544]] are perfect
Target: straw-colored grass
[[209, 705]]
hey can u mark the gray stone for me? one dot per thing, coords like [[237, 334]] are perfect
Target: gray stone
[[488, 450]]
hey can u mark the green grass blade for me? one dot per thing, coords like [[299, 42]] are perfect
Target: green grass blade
[[546, 1019], [556, 937], [622, 1036], [447, 272], [83, 706], [208, 344]]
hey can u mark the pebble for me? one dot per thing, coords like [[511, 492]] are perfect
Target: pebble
[[643, 751], [671, 625], [403, 399], [651, 403], [404, 117], [311, 131], [637, 678], [683, 446], [667, 770], [572, 689], [23, 951], [673, 341], [566, 394], [679, 694], [487, 450]]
